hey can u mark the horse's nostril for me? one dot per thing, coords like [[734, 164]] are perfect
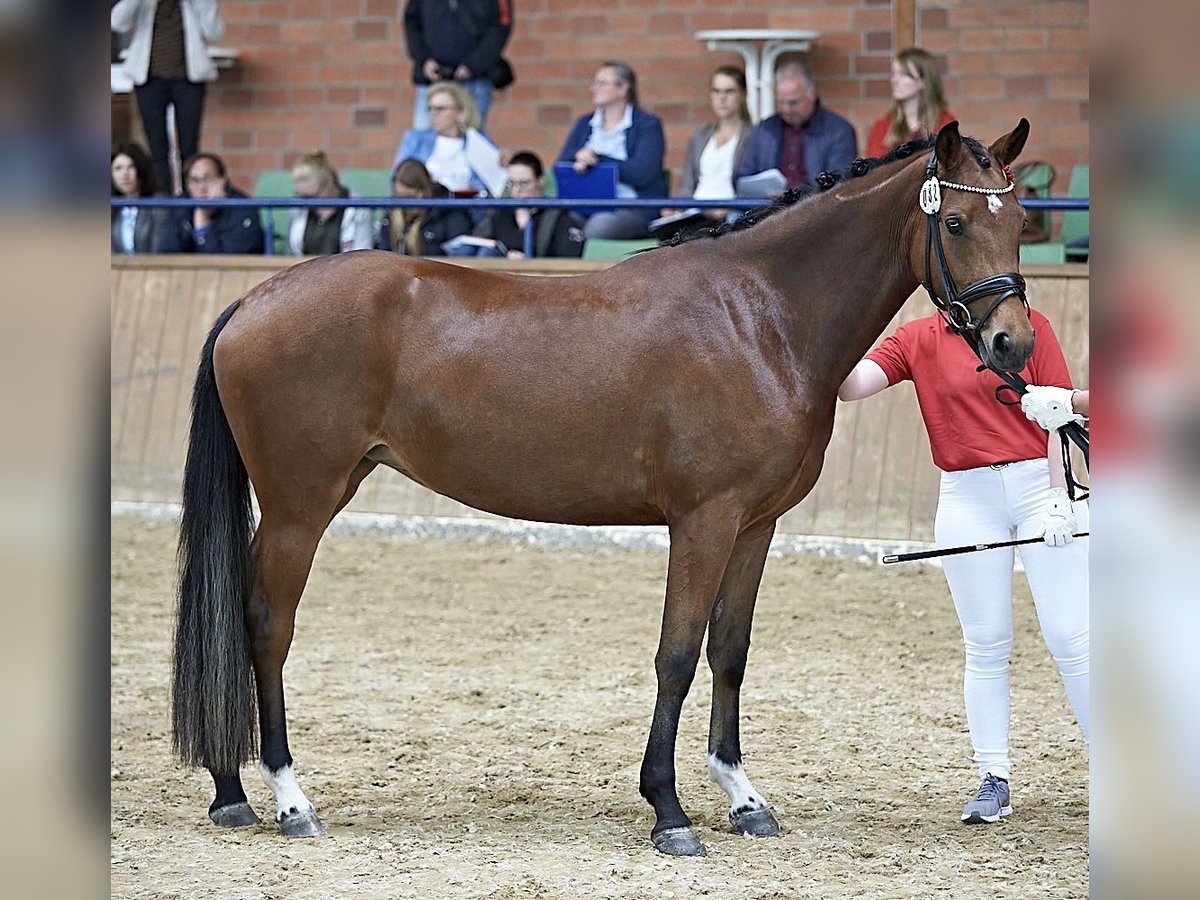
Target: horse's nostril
[[1002, 344]]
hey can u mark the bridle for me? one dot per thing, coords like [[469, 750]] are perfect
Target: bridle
[[1004, 285], [954, 306]]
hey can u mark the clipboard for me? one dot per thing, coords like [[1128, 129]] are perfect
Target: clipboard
[[597, 183]]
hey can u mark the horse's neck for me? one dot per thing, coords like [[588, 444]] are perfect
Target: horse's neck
[[845, 270]]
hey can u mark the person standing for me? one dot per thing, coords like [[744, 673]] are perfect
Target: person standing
[[457, 40], [803, 139], [169, 65], [918, 103], [1001, 477]]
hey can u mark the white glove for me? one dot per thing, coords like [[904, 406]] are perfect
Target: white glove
[[1058, 521], [1050, 407]]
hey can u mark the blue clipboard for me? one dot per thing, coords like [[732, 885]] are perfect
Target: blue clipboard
[[597, 183]]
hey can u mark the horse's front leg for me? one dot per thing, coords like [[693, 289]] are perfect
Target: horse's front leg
[[728, 647], [283, 552], [700, 546]]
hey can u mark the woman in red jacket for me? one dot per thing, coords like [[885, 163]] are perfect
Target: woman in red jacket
[[918, 104]]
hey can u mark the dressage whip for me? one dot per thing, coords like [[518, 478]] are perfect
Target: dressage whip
[[966, 548]]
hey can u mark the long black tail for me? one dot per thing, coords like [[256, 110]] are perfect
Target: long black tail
[[213, 712]]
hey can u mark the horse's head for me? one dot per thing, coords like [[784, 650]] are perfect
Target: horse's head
[[972, 235]]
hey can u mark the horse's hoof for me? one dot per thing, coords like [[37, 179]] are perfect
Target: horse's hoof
[[678, 842], [301, 825], [236, 815], [754, 822]]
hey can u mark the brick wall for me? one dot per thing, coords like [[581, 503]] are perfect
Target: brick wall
[[334, 74]]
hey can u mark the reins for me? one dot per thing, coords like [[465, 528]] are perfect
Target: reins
[[958, 318]]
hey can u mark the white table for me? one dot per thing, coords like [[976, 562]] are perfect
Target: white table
[[759, 47]]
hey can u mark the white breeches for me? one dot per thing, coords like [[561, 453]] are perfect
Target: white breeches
[[996, 504]]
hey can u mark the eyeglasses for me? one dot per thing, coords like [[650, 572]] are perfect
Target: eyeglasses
[[433, 108], [521, 183], [202, 179], [604, 82]]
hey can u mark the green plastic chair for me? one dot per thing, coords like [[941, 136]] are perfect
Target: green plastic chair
[[276, 183], [1075, 221], [1046, 253], [614, 248], [372, 183]]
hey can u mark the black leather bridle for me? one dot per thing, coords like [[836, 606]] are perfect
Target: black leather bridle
[[954, 307]]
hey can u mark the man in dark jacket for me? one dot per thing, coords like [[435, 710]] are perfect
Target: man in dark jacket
[[457, 40], [803, 139], [210, 229]]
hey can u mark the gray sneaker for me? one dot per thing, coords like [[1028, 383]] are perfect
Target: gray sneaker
[[990, 802]]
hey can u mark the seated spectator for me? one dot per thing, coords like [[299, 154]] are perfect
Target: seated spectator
[[418, 231], [621, 132], [918, 105], [716, 148], [322, 231], [803, 139], [527, 232], [443, 148], [211, 229], [134, 230]]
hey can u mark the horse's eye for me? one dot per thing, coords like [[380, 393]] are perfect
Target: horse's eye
[[954, 225]]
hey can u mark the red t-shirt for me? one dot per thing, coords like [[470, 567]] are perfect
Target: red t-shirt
[[967, 426], [877, 144]]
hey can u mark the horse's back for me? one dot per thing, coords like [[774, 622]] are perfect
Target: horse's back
[[596, 398]]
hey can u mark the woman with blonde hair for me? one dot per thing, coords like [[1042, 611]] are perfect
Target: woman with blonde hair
[[918, 103], [414, 230], [443, 147], [320, 231]]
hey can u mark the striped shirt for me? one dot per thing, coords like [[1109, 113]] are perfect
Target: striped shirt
[[167, 58]]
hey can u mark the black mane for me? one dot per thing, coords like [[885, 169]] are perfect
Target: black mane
[[825, 181]]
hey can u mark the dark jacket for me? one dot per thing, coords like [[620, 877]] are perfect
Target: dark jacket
[[556, 232], [439, 225], [147, 230], [645, 147], [231, 231], [474, 37], [830, 144]]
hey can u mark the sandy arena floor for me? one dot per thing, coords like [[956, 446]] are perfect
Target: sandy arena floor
[[469, 718]]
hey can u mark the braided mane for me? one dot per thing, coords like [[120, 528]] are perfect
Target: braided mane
[[825, 181]]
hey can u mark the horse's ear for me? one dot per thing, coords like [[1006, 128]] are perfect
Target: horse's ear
[[1009, 147], [948, 146]]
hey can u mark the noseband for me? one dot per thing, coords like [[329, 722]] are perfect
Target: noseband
[[954, 307]]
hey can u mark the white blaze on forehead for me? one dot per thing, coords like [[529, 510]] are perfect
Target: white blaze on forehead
[[994, 204], [288, 796], [733, 781]]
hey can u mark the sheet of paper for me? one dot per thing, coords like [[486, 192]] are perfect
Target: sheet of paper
[[769, 183], [484, 158]]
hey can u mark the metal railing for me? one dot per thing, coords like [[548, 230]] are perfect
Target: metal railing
[[655, 203]]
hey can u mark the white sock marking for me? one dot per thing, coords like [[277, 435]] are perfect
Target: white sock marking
[[733, 781], [283, 784]]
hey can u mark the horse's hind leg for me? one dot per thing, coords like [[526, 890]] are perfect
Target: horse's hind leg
[[700, 548], [728, 647], [231, 808], [283, 550]]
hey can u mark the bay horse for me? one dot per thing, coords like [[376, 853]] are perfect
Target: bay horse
[[692, 385]]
